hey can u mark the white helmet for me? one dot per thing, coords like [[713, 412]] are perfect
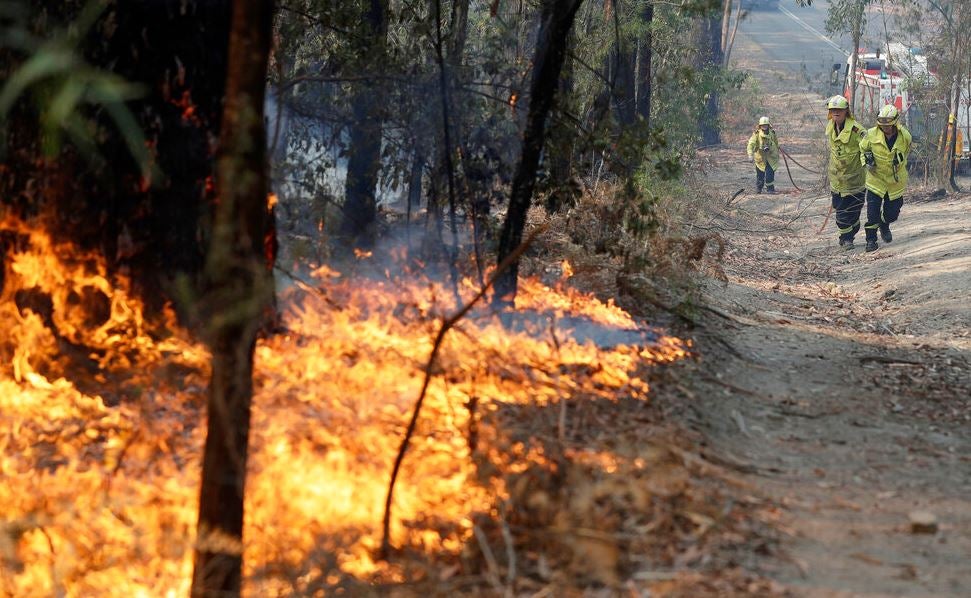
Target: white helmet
[[837, 103], [888, 115], [764, 121]]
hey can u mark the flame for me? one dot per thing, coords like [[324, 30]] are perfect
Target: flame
[[104, 419]]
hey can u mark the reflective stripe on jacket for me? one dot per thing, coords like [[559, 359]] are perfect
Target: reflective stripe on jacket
[[846, 172], [890, 175], [757, 141]]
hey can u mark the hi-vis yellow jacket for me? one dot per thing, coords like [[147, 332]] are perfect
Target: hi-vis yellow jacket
[[846, 172], [890, 175], [757, 141]]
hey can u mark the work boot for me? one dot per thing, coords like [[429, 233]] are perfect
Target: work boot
[[847, 244], [758, 191], [885, 233], [770, 190], [871, 246]]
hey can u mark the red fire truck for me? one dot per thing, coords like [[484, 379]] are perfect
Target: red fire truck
[[893, 77]]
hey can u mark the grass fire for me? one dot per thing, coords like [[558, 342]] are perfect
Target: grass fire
[[103, 418]]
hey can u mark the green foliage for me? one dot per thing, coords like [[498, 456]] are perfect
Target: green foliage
[[846, 16], [67, 92]]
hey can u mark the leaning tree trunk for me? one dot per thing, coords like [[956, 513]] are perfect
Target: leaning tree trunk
[[360, 211], [239, 288], [556, 22]]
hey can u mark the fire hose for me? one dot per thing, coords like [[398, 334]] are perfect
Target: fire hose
[[786, 157]]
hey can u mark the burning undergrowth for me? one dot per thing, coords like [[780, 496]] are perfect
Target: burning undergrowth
[[520, 473]]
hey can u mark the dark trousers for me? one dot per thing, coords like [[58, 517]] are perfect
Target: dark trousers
[[766, 178], [880, 211], [847, 207]]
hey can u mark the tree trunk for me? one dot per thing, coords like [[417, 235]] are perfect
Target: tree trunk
[[851, 77], [726, 21], [709, 57], [727, 50], [556, 22], [644, 59], [360, 200], [953, 130], [623, 61], [239, 289]]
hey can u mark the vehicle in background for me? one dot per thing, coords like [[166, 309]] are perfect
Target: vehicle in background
[[900, 76]]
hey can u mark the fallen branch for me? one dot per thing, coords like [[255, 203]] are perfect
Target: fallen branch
[[447, 325]]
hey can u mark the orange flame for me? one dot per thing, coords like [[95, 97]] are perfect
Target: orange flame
[[99, 470]]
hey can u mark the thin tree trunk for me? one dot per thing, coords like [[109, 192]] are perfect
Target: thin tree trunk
[[240, 286], [953, 129], [726, 21], [857, 34], [731, 39], [557, 20], [360, 200], [459, 32], [644, 58]]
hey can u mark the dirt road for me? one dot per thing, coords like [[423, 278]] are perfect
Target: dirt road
[[842, 386]]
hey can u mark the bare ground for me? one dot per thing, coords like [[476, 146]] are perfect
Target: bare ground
[[840, 382]]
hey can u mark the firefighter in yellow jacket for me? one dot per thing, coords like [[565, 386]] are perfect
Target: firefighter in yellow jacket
[[763, 147], [847, 177], [884, 153]]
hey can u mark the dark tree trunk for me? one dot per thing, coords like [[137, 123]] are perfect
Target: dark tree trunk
[[239, 289], [623, 61], [644, 60], [176, 50], [360, 200], [556, 22], [709, 58]]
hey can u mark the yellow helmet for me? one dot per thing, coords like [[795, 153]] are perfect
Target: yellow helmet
[[764, 121], [838, 103], [888, 115]]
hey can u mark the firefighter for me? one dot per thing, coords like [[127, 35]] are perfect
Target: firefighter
[[846, 175], [884, 151], [763, 147]]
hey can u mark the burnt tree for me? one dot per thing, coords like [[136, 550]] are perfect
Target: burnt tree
[[556, 21], [360, 210], [239, 289]]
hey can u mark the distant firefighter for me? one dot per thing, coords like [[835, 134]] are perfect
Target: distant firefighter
[[763, 147]]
